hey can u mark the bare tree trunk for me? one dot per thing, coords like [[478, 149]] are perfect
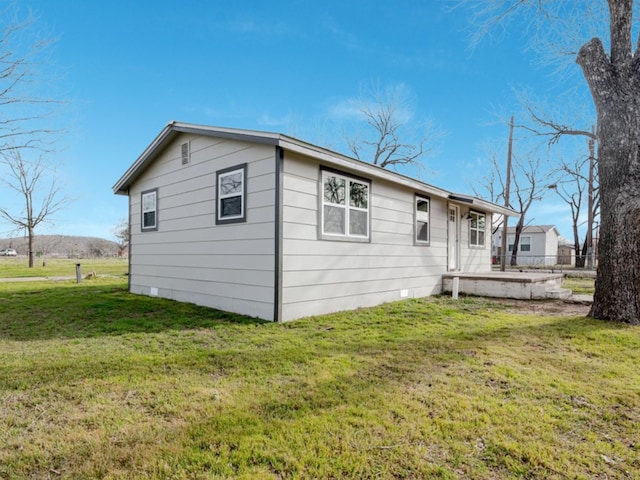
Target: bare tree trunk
[[31, 234], [580, 252], [516, 241], [615, 87]]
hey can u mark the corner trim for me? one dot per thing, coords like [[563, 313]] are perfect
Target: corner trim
[[129, 243], [277, 268]]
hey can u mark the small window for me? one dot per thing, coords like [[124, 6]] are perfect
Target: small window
[[477, 228], [149, 202], [422, 220], [345, 206], [232, 190], [525, 244]]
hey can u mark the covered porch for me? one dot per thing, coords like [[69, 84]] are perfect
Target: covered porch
[[520, 285]]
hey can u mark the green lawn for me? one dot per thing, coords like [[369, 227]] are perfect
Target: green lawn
[[98, 383], [15, 267], [580, 285]]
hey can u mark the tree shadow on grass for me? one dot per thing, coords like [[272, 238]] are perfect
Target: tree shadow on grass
[[41, 311]]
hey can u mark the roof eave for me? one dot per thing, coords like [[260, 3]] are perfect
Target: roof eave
[[292, 144], [173, 128]]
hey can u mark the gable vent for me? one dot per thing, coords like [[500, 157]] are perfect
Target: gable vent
[[186, 153]]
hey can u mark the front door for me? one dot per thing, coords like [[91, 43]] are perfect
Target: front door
[[453, 244]]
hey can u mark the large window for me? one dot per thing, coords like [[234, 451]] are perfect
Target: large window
[[232, 192], [345, 207], [149, 207], [477, 229], [422, 220]]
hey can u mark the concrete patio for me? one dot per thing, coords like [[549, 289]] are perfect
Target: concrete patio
[[520, 285]]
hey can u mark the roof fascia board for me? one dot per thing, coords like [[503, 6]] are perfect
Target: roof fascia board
[[289, 143], [228, 133], [338, 160], [362, 167], [121, 185], [170, 130]]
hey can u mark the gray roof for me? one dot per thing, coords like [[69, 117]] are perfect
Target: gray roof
[[535, 229], [173, 129]]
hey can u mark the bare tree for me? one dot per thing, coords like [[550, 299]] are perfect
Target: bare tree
[[613, 79], [492, 188], [39, 201], [391, 141], [528, 185], [121, 232], [577, 182], [25, 87], [576, 185]]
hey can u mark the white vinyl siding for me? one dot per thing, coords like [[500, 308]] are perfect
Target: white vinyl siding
[[191, 258], [320, 277]]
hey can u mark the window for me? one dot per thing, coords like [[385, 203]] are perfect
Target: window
[[149, 205], [232, 190], [525, 244], [477, 229], [345, 206], [422, 220]]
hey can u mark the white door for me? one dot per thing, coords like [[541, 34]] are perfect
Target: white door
[[453, 244]]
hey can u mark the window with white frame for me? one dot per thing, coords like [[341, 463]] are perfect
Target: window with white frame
[[149, 209], [345, 207], [232, 192], [477, 229], [525, 244], [422, 220]]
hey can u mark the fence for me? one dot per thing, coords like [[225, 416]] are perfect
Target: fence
[[559, 261]]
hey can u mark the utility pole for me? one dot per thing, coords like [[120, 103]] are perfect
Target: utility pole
[[507, 186], [590, 203]]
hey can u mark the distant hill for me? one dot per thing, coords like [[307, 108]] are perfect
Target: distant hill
[[64, 246]]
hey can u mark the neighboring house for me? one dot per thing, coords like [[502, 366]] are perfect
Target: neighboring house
[[266, 225], [538, 245], [566, 252]]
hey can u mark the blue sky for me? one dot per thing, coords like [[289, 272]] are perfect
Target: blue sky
[[129, 67]]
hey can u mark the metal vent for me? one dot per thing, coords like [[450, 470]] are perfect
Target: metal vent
[[186, 153]]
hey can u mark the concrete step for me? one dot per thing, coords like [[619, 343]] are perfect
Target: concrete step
[[558, 293]]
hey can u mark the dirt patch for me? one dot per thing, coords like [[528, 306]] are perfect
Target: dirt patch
[[545, 308]]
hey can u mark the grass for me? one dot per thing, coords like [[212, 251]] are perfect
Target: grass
[[98, 383], [16, 267], [580, 285]]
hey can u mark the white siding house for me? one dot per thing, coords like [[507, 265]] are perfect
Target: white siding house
[[269, 226], [538, 245]]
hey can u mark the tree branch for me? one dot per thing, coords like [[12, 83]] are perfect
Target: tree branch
[[620, 13]]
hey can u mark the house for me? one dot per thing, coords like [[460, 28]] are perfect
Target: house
[[566, 252], [538, 245], [269, 226]]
